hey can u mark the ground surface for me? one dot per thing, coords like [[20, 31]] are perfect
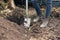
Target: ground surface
[[10, 30], [51, 32]]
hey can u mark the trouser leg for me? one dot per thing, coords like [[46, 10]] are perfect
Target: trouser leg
[[48, 7], [37, 7]]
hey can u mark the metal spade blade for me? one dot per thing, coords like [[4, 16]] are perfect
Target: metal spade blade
[[27, 19]]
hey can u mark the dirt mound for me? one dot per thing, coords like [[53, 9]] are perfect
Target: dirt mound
[[11, 31]]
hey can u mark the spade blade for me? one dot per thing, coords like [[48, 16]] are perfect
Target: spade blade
[[27, 22]]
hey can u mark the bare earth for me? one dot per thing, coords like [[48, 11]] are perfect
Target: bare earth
[[12, 31]]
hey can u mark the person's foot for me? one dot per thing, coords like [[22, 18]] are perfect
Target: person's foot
[[36, 19], [44, 22], [27, 22]]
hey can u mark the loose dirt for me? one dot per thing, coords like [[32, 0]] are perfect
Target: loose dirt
[[11, 30]]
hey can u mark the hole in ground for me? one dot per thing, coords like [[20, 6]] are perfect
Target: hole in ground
[[17, 17]]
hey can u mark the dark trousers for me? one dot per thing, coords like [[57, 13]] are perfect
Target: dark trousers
[[36, 5]]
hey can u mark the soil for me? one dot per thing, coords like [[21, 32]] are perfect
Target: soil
[[10, 30], [50, 32]]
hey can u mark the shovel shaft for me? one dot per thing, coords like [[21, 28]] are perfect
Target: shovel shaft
[[27, 8]]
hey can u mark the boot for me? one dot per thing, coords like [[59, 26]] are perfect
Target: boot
[[36, 19], [44, 22]]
